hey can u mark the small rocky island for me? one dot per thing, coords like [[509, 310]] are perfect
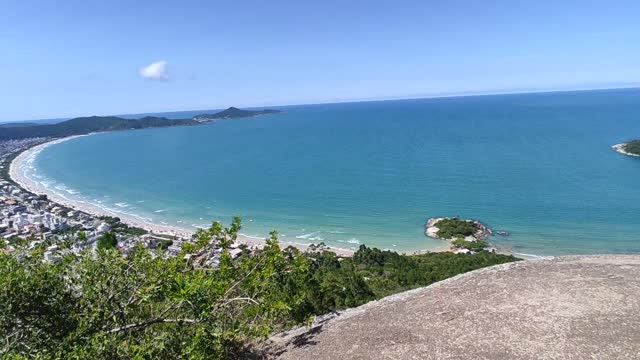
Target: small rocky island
[[465, 235], [631, 148]]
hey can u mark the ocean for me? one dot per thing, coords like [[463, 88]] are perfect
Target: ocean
[[539, 166]]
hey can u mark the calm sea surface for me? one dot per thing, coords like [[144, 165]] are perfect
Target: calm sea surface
[[539, 166]]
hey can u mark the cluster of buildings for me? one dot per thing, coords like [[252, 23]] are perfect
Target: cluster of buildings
[[210, 257], [27, 216], [10, 147], [26, 219], [33, 218]]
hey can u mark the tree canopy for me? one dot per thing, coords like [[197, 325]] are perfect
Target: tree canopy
[[455, 228], [107, 240], [633, 147]]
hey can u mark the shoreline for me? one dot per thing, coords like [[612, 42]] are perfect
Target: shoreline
[[16, 174], [620, 148]]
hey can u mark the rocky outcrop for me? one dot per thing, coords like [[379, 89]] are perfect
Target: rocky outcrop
[[621, 148], [576, 307]]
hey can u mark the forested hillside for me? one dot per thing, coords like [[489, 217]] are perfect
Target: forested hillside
[[85, 125]]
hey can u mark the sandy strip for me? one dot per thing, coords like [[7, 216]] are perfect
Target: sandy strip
[[17, 174], [620, 148]]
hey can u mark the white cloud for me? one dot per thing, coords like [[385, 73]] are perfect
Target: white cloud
[[155, 71]]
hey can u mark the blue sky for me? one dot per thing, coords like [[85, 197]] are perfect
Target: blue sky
[[70, 58]]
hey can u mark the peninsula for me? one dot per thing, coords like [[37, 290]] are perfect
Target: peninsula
[[234, 113], [631, 148]]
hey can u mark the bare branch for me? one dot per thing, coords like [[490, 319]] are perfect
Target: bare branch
[[145, 324], [244, 278], [245, 299]]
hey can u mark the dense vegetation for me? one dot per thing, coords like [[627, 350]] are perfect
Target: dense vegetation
[[17, 124], [633, 147], [234, 113], [107, 240], [85, 125], [455, 228], [103, 305], [477, 245]]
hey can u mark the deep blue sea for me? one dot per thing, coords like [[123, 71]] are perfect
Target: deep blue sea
[[539, 166]]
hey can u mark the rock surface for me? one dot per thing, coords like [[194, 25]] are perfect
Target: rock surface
[[574, 307]]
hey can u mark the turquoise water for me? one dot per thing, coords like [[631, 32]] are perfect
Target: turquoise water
[[539, 166]]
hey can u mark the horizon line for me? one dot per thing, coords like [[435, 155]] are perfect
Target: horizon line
[[361, 100]]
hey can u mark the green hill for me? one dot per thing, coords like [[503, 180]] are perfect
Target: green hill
[[234, 113], [84, 125]]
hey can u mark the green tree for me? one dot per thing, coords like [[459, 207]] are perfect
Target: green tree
[[107, 240], [105, 305], [477, 245]]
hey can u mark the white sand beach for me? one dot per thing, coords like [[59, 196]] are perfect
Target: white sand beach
[[17, 174]]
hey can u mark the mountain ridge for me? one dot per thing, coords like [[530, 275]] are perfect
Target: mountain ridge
[[88, 124]]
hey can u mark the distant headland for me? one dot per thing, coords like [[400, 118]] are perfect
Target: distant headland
[[631, 148], [234, 113], [90, 124]]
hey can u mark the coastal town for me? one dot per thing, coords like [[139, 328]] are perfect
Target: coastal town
[[36, 220]]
